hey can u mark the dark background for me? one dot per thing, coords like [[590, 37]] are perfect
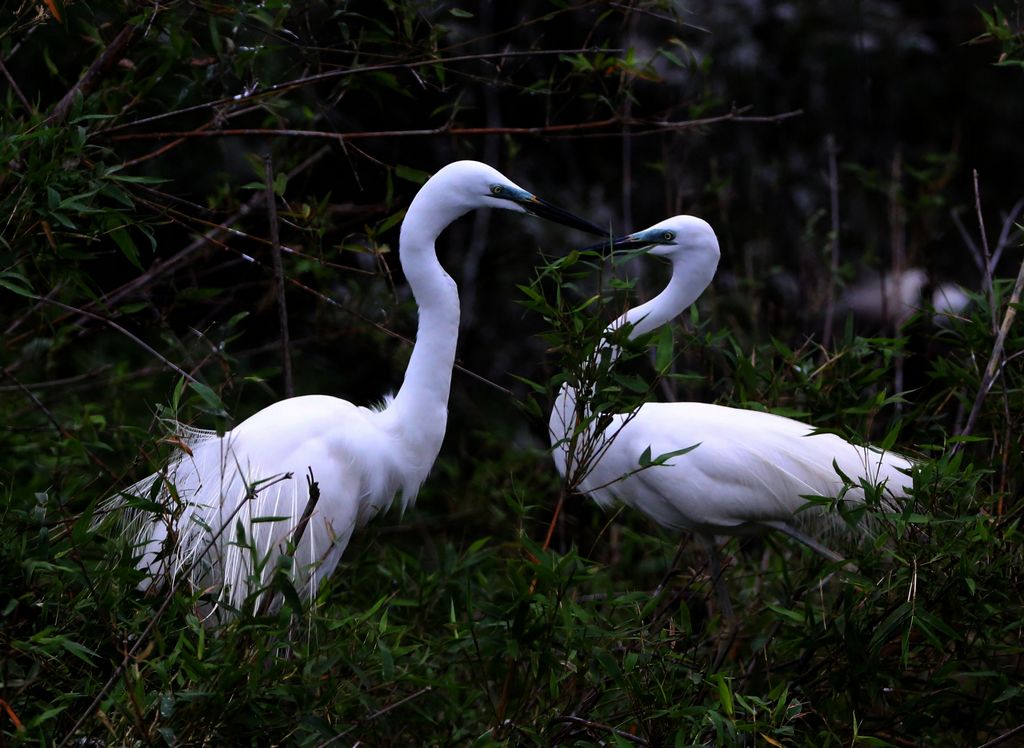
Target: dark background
[[758, 117]]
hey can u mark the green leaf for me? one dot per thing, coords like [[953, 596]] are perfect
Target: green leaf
[[215, 34], [135, 179], [391, 221], [411, 175], [208, 396], [280, 183], [78, 650], [664, 352], [792, 615], [645, 457], [16, 283], [124, 242], [724, 694]]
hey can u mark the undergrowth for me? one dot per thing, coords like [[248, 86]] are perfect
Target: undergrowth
[[136, 280]]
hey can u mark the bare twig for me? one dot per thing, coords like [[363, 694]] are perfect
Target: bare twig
[[336, 304], [217, 119], [636, 739], [275, 251], [161, 150], [11, 328], [994, 361], [14, 87], [53, 420], [645, 127], [63, 382], [833, 249], [131, 336], [1007, 233], [160, 267], [987, 268], [892, 298], [979, 262], [313, 489], [345, 136], [251, 493], [379, 713], [376, 325], [314, 498], [107, 59], [250, 97], [1004, 737]]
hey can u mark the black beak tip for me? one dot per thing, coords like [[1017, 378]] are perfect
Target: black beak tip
[[544, 209], [615, 243]]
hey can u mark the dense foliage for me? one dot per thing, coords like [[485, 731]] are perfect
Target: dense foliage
[[141, 144]]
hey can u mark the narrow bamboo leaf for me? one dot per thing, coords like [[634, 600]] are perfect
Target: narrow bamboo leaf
[[124, 242]]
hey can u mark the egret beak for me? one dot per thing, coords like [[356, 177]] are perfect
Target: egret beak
[[630, 241], [543, 209]]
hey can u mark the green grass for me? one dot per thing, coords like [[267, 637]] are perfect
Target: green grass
[[454, 625]]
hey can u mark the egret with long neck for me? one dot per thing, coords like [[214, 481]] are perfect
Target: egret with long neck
[[259, 476], [734, 471]]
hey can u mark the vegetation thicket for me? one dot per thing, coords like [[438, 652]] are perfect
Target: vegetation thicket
[[182, 181]]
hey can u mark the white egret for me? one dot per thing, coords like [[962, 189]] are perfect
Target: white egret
[[254, 477], [891, 299], [746, 472]]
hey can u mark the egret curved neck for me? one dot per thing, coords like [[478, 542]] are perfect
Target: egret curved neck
[[421, 404], [687, 283]]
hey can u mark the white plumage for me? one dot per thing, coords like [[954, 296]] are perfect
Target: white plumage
[[747, 472], [253, 479]]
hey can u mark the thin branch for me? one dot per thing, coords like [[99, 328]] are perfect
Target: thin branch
[[218, 118], [652, 127], [997, 352], [345, 136], [346, 72], [14, 87], [833, 248], [161, 150], [600, 726], [113, 52], [379, 713], [1004, 737], [987, 269], [193, 211], [161, 267], [313, 489], [391, 333], [53, 420], [11, 328], [891, 299], [131, 336], [352, 312], [275, 247], [62, 383], [1009, 224], [251, 493], [979, 262]]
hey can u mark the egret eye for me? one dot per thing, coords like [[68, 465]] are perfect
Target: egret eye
[[668, 236], [497, 189]]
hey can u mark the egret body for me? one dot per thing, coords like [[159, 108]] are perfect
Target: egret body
[[362, 459], [747, 472]]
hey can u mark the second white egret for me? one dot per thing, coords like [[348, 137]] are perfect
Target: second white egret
[[735, 471]]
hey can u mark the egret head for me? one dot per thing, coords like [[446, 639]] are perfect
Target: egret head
[[471, 184], [682, 239], [685, 238]]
